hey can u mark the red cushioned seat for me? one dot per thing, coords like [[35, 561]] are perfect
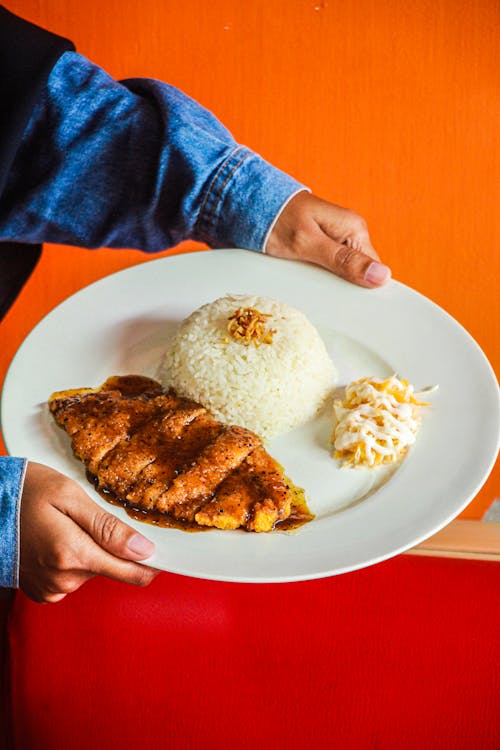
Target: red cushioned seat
[[400, 655]]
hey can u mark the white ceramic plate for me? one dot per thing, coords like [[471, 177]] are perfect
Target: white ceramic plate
[[121, 325]]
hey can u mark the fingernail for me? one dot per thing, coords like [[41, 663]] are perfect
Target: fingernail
[[139, 545], [377, 273]]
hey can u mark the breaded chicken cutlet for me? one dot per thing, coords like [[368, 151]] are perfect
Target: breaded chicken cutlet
[[159, 453]]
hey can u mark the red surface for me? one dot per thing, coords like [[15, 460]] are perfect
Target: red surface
[[401, 655]]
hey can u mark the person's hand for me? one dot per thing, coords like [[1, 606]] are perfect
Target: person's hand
[[314, 230], [66, 539]]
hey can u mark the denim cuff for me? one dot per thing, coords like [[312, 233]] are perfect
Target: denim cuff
[[12, 472], [243, 200]]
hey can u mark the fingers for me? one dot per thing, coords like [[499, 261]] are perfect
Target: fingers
[[116, 537], [52, 598], [109, 533], [336, 238], [66, 538], [54, 585], [57, 584], [350, 263], [359, 241], [346, 248], [125, 572], [116, 546], [65, 557]]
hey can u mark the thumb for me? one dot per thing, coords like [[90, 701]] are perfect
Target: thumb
[[109, 532], [349, 262]]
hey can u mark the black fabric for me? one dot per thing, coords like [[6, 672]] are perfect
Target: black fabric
[[16, 264], [27, 55]]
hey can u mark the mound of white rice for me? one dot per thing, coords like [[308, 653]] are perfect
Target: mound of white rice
[[268, 389]]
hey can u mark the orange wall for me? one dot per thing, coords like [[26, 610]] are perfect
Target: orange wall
[[388, 107]]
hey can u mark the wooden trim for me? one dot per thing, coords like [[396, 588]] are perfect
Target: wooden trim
[[474, 540]]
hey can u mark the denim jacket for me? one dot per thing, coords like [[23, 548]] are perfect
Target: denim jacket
[[134, 164]]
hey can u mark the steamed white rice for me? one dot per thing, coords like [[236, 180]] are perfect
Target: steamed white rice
[[269, 389]]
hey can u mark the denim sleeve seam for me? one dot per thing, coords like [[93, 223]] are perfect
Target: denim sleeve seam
[[301, 189], [17, 539], [207, 217]]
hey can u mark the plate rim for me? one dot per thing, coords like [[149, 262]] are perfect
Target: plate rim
[[404, 289]]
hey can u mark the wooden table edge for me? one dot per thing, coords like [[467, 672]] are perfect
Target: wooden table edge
[[473, 540]]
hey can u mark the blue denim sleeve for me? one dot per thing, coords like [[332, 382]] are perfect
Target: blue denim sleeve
[[136, 164], [11, 483]]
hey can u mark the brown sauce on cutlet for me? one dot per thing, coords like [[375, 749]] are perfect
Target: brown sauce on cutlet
[[194, 455], [153, 517], [300, 513]]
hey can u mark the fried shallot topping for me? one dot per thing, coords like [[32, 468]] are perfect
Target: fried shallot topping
[[248, 325]]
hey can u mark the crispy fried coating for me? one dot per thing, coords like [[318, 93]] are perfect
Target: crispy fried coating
[[158, 452]]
